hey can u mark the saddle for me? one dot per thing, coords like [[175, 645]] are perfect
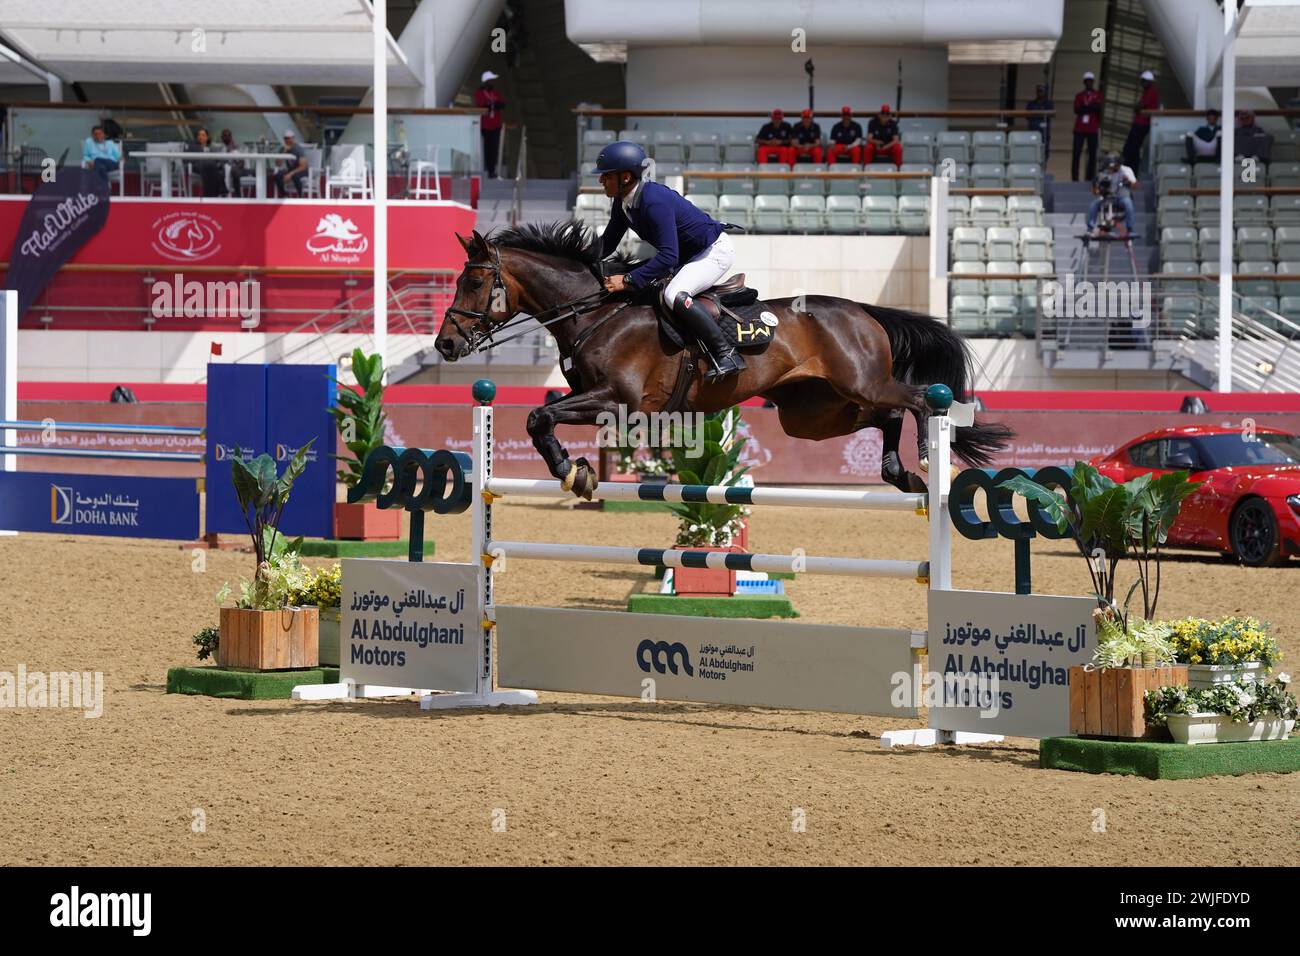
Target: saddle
[[746, 321]]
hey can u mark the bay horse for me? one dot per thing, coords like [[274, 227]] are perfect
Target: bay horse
[[833, 367]]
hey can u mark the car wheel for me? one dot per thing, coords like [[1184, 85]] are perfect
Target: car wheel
[[1254, 534]]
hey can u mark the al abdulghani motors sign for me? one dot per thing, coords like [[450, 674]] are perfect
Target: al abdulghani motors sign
[[61, 217]]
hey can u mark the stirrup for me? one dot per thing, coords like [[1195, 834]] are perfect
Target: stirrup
[[731, 364]]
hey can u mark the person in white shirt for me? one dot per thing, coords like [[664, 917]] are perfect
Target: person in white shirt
[[1115, 179]]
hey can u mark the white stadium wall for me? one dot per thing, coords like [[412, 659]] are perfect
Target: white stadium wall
[[759, 78]]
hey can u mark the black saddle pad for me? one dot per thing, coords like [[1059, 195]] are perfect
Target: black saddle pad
[[741, 319], [751, 326]]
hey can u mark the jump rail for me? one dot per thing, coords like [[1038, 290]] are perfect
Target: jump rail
[[720, 494], [93, 453], [109, 428]]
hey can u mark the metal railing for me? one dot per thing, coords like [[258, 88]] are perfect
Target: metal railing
[[521, 179], [1170, 318]]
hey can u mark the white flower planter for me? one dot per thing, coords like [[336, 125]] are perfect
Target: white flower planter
[[329, 637], [1206, 676], [1218, 729]]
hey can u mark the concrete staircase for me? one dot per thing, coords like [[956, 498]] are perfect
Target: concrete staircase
[[1069, 204], [544, 200]]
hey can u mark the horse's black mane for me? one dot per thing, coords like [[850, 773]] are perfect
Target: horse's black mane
[[569, 239]]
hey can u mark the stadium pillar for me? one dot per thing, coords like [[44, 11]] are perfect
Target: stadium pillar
[[1227, 179], [380, 179]]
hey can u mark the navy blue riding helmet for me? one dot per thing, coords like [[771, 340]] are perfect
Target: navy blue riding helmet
[[621, 157]]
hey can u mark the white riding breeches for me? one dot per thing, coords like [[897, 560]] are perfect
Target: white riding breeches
[[703, 271]]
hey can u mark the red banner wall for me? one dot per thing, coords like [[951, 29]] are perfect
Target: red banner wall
[[300, 233]]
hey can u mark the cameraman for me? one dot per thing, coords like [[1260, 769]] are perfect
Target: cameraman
[[1113, 180]]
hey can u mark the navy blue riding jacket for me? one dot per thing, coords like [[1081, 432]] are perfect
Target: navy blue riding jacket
[[677, 228]]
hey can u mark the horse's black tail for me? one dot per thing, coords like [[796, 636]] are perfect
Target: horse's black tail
[[927, 351]]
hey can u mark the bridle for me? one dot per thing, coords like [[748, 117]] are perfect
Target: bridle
[[482, 327], [480, 336]]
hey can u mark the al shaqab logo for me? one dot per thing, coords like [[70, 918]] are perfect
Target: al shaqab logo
[[338, 240]]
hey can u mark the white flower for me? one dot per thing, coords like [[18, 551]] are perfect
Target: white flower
[[1284, 678]]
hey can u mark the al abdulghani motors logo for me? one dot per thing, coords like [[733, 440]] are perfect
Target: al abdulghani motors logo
[[338, 240], [186, 236]]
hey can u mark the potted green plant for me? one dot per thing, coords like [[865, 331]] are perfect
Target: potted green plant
[[705, 526], [263, 629], [1109, 522], [361, 420], [323, 589], [1227, 712], [1224, 651]]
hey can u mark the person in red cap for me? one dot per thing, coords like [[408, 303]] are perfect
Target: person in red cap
[[846, 138], [883, 139], [774, 139], [807, 139]]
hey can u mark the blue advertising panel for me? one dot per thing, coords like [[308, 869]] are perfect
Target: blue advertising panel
[[117, 505], [236, 418], [299, 399]]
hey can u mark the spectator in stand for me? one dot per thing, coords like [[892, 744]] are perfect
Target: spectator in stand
[[1137, 133], [487, 97], [1205, 142], [100, 154], [774, 140], [232, 171], [807, 138], [1087, 124], [211, 175], [294, 170], [883, 138], [1042, 124], [846, 138], [1251, 141]]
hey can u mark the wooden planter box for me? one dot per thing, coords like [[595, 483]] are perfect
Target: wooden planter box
[[329, 636], [366, 521], [713, 582], [269, 640], [1109, 702]]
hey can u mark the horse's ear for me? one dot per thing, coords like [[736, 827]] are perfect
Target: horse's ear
[[465, 244], [480, 241]]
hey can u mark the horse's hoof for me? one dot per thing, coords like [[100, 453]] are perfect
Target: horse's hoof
[[925, 464], [584, 484], [567, 481]]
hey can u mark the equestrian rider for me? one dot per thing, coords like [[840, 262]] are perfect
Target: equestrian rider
[[693, 248]]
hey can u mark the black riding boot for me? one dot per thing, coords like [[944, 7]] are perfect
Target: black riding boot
[[722, 354]]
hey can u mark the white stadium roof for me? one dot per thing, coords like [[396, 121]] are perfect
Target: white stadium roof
[[291, 42], [1268, 44]]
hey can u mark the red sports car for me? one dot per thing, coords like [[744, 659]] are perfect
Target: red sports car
[[1249, 505]]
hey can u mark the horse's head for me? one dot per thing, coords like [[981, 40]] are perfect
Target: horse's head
[[483, 300]]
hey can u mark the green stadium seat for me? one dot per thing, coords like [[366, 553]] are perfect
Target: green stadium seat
[[914, 215], [1178, 244], [771, 213], [844, 214], [879, 214], [807, 213]]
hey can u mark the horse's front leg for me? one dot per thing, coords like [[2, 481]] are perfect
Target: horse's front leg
[[580, 408]]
